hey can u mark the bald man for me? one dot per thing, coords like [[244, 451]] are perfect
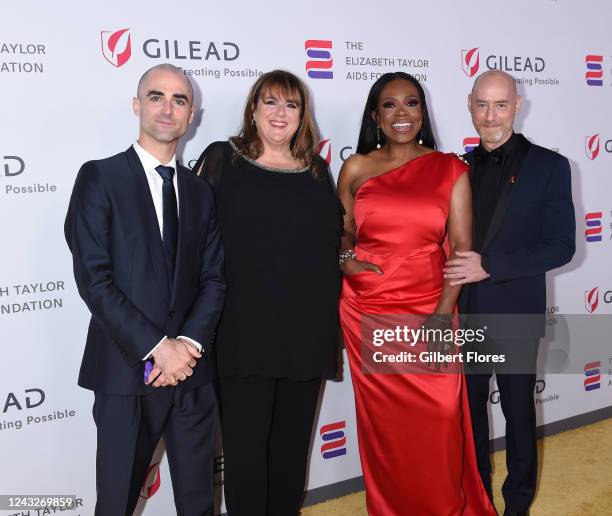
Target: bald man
[[148, 263], [524, 226]]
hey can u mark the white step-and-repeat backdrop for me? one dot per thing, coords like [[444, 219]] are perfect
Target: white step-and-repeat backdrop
[[68, 71]]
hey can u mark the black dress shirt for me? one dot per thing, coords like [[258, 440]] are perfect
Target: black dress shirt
[[491, 171]]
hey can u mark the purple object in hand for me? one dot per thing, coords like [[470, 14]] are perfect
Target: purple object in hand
[[148, 367]]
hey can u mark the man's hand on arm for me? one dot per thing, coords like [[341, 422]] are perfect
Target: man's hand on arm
[[466, 267], [174, 362]]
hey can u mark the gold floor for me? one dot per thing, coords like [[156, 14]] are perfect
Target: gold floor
[[575, 477]]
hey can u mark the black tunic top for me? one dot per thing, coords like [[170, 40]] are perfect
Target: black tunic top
[[281, 233]]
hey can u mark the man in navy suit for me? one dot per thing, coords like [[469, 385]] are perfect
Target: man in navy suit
[[524, 226], [148, 262]]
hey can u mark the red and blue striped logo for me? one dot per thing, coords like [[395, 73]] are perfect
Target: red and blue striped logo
[[320, 62], [594, 73], [334, 440], [470, 143], [592, 221], [591, 371]]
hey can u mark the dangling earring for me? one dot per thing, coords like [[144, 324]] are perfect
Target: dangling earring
[[378, 145], [420, 136]]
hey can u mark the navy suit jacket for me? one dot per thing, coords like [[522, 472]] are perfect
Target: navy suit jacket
[[118, 258], [532, 231]]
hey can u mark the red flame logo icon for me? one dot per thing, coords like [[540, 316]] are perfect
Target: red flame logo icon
[[591, 299], [324, 150], [591, 146], [470, 61], [152, 482], [116, 46]]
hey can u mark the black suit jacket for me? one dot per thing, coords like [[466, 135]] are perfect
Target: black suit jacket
[[532, 231], [113, 234]]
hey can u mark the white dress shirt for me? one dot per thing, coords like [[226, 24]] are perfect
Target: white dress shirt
[[149, 162]]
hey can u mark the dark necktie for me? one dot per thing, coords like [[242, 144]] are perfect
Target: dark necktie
[[170, 218]]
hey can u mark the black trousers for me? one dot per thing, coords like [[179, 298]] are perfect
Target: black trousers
[[516, 382], [266, 426], [129, 428]]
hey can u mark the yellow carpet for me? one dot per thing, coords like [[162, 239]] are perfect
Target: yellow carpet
[[575, 477]]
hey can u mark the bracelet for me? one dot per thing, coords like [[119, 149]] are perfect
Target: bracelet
[[345, 256]]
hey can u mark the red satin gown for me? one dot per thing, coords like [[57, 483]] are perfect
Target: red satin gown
[[415, 433]]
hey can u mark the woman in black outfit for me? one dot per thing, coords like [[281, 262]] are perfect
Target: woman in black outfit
[[278, 337]]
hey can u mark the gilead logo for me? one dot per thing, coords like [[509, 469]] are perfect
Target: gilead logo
[[470, 61], [324, 150], [591, 146], [152, 482], [116, 46], [591, 299]]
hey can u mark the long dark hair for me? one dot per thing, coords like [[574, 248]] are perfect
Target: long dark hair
[[304, 143], [368, 132]]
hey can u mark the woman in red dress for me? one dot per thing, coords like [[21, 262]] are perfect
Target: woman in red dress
[[404, 202]]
